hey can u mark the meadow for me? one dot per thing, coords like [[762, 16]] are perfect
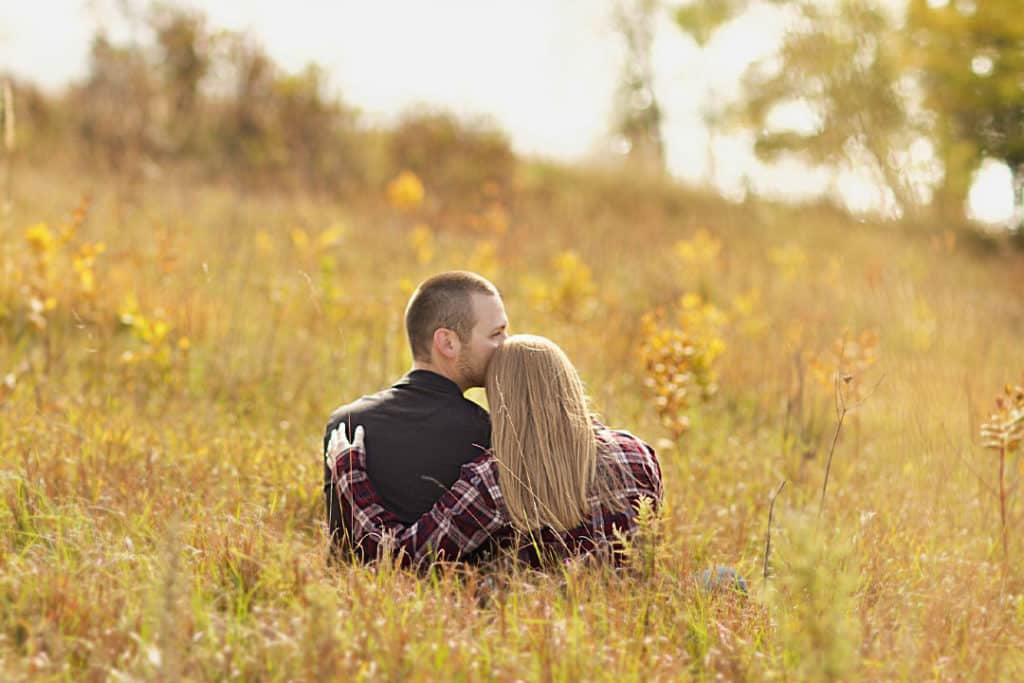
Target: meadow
[[170, 350]]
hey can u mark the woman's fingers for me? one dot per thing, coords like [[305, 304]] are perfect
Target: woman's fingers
[[336, 444], [339, 443], [331, 453]]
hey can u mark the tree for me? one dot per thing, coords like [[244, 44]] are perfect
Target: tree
[[113, 107], [840, 66], [873, 78], [185, 58], [969, 58], [273, 123], [700, 20], [639, 114]]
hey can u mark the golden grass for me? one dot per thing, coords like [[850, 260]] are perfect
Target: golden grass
[[160, 509]]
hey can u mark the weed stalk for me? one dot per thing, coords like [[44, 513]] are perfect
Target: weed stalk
[[768, 533]]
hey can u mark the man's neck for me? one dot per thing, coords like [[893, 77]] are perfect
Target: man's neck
[[431, 367]]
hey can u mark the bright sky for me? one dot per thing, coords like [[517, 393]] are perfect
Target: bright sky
[[544, 70]]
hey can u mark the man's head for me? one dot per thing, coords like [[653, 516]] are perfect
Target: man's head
[[455, 321]]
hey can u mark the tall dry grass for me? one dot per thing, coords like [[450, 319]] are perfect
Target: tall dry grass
[[160, 510]]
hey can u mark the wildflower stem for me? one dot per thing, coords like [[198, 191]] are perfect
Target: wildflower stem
[[1002, 508], [768, 533], [841, 411], [7, 118]]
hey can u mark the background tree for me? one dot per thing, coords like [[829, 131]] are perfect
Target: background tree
[[700, 20], [214, 100], [838, 79], [638, 113], [458, 157], [970, 59], [113, 107], [184, 56]]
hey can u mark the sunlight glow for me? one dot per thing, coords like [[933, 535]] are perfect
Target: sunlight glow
[[991, 197], [544, 72]]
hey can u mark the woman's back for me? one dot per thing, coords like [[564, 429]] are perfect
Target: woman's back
[[631, 472]]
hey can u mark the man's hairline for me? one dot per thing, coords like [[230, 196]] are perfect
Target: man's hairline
[[475, 321]]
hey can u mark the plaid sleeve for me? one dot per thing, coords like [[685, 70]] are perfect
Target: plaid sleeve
[[464, 517], [641, 479], [639, 476], [642, 463]]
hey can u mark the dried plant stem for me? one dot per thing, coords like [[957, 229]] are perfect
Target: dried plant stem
[[841, 411], [1002, 509], [7, 118], [768, 533]]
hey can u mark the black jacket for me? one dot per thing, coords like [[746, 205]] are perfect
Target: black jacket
[[419, 433]]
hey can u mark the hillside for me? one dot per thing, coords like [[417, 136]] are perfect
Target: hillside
[[170, 349]]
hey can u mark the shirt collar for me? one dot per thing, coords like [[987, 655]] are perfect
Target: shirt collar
[[428, 379]]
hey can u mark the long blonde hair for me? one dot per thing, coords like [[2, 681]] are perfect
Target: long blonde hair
[[543, 437]]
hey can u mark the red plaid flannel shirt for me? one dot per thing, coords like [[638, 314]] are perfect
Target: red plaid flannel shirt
[[472, 512]]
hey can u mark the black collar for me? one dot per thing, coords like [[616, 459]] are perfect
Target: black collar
[[428, 379]]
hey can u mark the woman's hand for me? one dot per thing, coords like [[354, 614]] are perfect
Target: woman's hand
[[339, 443]]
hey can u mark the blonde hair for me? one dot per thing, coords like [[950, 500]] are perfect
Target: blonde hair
[[550, 466]]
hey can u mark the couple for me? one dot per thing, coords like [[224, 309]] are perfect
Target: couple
[[419, 471]]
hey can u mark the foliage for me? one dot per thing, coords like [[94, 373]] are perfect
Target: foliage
[[700, 19], [406, 191], [638, 115], [1004, 433], [465, 160], [168, 357], [863, 84], [850, 357], [969, 58], [568, 292], [814, 600], [59, 274], [839, 71], [1005, 426], [161, 516], [209, 101], [680, 359]]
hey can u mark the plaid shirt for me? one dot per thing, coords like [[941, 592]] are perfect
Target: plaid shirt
[[472, 513]]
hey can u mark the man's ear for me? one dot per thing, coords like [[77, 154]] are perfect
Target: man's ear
[[447, 343]]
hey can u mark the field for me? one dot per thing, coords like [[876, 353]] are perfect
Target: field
[[169, 352]]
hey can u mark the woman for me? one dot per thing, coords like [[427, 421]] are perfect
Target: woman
[[556, 483]]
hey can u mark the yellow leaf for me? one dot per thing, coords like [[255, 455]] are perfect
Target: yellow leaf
[[406, 191], [331, 236], [263, 241], [300, 238], [40, 238]]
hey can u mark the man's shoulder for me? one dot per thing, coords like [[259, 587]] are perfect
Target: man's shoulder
[[357, 407], [398, 403], [476, 410], [353, 412]]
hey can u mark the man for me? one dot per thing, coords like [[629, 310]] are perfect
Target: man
[[422, 430]]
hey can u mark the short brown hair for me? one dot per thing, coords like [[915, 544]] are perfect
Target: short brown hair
[[444, 300]]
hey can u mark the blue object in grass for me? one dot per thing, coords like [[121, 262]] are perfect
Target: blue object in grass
[[722, 578]]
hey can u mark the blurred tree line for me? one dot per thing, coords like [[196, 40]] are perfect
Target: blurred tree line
[[895, 87], [915, 92], [214, 104]]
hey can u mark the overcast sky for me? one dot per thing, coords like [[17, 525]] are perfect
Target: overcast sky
[[544, 70]]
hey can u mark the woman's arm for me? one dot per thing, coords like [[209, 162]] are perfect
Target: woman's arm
[[463, 518]]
